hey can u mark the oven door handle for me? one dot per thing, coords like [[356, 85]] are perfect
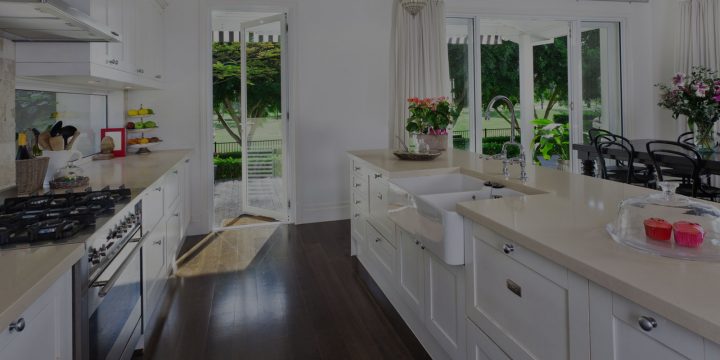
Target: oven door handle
[[115, 276]]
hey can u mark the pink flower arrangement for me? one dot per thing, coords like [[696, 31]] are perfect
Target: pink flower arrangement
[[696, 96], [431, 115]]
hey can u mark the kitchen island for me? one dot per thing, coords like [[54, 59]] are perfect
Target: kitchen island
[[28, 273], [558, 231]]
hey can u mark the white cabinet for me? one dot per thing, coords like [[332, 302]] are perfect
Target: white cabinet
[[44, 328], [479, 345], [445, 304], [381, 253], [136, 61], [622, 329], [530, 307], [411, 272]]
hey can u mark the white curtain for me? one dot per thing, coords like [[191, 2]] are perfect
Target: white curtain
[[699, 37], [419, 63]]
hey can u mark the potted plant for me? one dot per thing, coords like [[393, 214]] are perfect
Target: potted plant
[[551, 140], [430, 119], [698, 97]]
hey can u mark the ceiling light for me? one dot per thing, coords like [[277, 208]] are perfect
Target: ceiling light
[[413, 6]]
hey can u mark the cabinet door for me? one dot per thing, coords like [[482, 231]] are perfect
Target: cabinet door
[[149, 39], [382, 254], [479, 345], [445, 304], [48, 327], [152, 206], [172, 235], [411, 272], [171, 190], [379, 217], [623, 330], [153, 257]]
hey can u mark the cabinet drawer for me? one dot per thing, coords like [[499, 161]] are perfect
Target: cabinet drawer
[[379, 216], [480, 347], [358, 184], [521, 310], [152, 206], [671, 335], [382, 251], [537, 263], [360, 202], [357, 224], [171, 190]]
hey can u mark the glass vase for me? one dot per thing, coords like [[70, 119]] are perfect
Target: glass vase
[[704, 136]]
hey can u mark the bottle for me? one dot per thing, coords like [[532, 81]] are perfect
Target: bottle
[[22, 151]]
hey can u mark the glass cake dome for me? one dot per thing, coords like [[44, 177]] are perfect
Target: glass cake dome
[[668, 224]]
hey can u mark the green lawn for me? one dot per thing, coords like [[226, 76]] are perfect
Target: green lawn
[[497, 122]]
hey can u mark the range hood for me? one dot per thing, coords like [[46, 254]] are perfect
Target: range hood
[[50, 21]]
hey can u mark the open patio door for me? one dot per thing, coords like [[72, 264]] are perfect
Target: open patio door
[[265, 119]]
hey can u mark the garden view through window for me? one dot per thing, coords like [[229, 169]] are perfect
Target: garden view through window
[[530, 61]]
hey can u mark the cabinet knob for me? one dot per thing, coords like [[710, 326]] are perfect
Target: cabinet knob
[[115, 33], [508, 248], [176, 214], [379, 196], [422, 247], [357, 202], [140, 71], [157, 242], [417, 242], [158, 77], [159, 188], [377, 176], [175, 171], [378, 239], [357, 216], [17, 326], [357, 168], [357, 185], [647, 323]]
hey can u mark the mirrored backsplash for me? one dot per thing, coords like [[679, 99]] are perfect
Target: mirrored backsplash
[[42, 109]]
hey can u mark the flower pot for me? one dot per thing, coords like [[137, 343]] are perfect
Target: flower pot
[[563, 165], [434, 142], [704, 136]]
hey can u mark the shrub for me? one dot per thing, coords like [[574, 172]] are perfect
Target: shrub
[[228, 168]]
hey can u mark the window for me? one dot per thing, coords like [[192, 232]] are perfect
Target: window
[[462, 85]]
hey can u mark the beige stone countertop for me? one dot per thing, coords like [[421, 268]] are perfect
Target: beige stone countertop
[[564, 220], [27, 273]]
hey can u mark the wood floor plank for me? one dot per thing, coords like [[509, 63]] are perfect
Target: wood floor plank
[[296, 295]]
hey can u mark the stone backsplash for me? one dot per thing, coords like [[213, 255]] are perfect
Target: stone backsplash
[[7, 113]]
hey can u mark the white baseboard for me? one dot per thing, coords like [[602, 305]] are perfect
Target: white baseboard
[[323, 212]]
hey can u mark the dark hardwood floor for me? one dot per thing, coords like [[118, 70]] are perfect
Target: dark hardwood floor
[[299, 298]]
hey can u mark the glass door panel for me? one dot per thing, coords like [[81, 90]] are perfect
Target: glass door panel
[[264, 121], [460, 34], [601, 77]]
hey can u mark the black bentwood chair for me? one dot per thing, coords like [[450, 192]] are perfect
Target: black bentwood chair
[[626, 172], [687, 162]]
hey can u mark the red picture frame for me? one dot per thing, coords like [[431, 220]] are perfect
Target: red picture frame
[[116, 134]]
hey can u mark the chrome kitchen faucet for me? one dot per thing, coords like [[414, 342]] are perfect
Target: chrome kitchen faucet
[[507, 161]]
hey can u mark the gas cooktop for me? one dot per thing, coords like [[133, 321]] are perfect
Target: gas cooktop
[[55, 217]]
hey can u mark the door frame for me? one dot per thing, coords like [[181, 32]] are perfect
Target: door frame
[[206, 114]]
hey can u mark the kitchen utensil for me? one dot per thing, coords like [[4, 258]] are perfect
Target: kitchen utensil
[[72, 141], [57, 143], [67, 132], [402, 142], [405, 155], [44, 140], [55, 130]]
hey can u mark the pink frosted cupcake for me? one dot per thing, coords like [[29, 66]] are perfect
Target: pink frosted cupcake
[[688, 234]]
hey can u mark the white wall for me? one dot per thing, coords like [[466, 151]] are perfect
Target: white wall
[[339, 60]]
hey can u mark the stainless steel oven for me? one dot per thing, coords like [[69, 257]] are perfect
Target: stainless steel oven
[[113, 300]]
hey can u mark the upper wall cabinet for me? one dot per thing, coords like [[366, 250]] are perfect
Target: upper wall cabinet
[[136, 62]]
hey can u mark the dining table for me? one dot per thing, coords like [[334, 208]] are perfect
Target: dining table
[[588, 154]]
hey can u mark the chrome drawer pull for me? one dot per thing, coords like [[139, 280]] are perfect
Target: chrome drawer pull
[[357, 202], [647, 323], [422, 247], [379, 196], [378, 176], [508, 248], [357, 216], [358, 185], [17, 326], [378, 239], [357, 168]]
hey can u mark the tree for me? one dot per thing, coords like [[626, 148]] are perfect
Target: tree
[[263, 82], [499, 72], [551, 73]]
